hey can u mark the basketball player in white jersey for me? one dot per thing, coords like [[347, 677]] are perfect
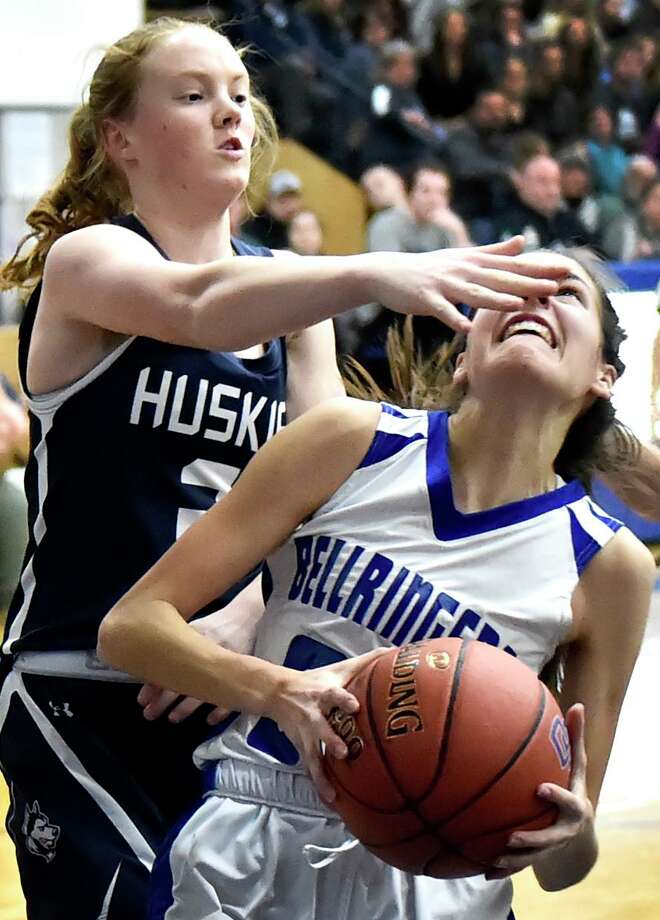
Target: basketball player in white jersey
[[383, 526]]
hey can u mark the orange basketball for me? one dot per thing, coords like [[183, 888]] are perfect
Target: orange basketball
[[452, 740]]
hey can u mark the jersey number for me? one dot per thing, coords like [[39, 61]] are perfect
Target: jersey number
[[209, 474]]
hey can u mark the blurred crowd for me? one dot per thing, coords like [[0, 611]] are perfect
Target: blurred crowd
[[543, 117]]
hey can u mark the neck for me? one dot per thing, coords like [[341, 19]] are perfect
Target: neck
[[187, 237], [500, 453]]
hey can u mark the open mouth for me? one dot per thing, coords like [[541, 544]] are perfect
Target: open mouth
[[232, 143], [529, 324]]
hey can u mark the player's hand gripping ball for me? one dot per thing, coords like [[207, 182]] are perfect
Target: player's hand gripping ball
[[452, 740]]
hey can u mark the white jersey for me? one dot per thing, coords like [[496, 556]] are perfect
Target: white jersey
[[389, 559]]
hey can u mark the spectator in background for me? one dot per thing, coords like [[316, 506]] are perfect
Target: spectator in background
[[14, 439], [479, 160], [270, 226], [626, 97], [612, 20], [401, 131], [552, 108], [514, 86], [508, 36], [609, 160], [327, 21], [383, 188], [577, 194], [621, 231], [453, 72], [305, 233], [652, 142], [539, 212], [635, 234], [582, 56], [374, 29], [427, 224]]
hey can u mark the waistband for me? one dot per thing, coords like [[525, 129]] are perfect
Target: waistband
[[250, 782], [81, 664]]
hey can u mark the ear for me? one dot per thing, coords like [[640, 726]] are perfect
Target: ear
[[460, 377], [117, 141], [602, 387]]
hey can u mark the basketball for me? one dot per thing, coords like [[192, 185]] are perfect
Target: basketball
[[451, 742]]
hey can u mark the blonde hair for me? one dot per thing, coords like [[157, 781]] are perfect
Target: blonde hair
[[91, 190], [417, 382]]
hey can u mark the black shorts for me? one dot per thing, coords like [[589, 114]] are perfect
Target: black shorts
[[94, 788]]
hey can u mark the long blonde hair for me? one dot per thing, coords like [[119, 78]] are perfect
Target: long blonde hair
[[91, 190]]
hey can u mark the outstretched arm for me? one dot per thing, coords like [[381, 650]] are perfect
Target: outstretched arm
[[110, 278]]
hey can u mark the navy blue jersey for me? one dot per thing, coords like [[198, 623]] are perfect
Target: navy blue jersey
[[123, 460]]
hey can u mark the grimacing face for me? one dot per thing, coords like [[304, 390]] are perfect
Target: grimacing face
[[553, 343]]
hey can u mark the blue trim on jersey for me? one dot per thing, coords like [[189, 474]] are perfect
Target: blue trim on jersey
[[249, 249], [393, 410], [585, 546], [610, 522], [451, 524], [386, 445]]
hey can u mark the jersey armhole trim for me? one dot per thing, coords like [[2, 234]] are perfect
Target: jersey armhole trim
[[49, 402]]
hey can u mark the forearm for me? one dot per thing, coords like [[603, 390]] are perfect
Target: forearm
[[150, 640], [567, 866], [242, 301]]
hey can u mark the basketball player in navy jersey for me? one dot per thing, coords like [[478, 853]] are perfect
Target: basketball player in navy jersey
[[149, 390], [383, 526]]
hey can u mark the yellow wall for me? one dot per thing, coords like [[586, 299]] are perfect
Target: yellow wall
[[338, 201]]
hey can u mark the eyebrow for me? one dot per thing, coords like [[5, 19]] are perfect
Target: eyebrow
[[204, 75], [577, 278]]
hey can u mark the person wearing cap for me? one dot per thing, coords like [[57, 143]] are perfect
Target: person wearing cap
[[270, 227]]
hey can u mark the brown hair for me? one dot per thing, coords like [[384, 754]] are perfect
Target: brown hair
[[91, 190]]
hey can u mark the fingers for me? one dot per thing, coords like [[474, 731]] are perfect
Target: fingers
[[508, 281], [512, 246], [217, 715], [575, 719], [521, 265], [185, 708]]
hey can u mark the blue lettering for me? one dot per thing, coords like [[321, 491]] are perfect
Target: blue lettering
[[335, 597], [375, 573], [399, 579], [469, 619], [322, 543], [450, 606], [304, 553], [319, 597], [417, 594], [489, 635]]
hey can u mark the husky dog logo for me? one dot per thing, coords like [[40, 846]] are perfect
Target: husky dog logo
[[40, 835]]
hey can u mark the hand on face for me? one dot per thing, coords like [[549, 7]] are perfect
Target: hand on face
[[494, 277]]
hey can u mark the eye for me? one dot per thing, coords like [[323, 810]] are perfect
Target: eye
[[193, 96], [240, 98], [569, 293]]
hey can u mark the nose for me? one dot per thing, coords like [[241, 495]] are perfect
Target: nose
[[227, 113], [541, 301]]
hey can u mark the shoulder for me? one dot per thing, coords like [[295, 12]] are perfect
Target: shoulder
[[81, 248], [341, 419], [619, 579]]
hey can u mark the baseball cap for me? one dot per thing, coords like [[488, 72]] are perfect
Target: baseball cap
[[282, 182]]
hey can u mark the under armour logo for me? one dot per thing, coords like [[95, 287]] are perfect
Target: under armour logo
[[60, 709]]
